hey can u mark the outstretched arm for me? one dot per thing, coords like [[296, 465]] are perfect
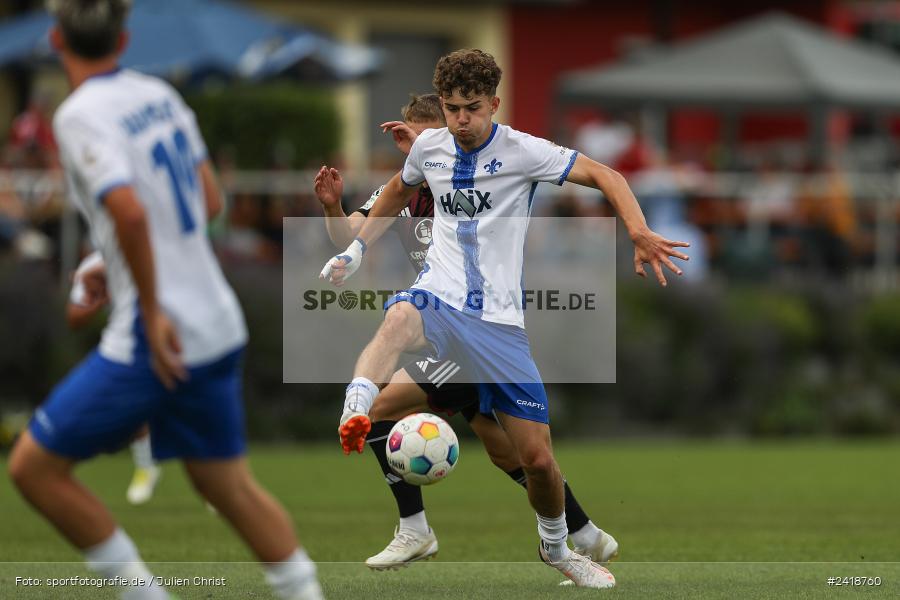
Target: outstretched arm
[[395, 196], [403, 135], [329, 188], [649, 247]]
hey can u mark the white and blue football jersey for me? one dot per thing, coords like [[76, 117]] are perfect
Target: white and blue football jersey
[[482, 203], [126, 128]]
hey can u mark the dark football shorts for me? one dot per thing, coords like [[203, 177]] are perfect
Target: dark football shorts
[[445, 395]]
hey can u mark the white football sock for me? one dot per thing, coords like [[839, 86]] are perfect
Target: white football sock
[[294, 578], [553, 532], [416, 522], [141, 453], [117, 556], [360, 395], [587, 536]]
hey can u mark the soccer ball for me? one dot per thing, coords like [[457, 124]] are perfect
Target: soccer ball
[[422, 449]]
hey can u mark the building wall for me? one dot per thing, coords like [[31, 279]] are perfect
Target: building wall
[[548, 40], [483, 26], [533, 43]]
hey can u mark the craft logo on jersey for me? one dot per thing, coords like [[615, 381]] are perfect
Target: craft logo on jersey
[[493, 167], [531, 404], [470, 202]]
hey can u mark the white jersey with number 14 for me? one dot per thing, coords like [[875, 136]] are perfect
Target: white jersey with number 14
[[125, 128]]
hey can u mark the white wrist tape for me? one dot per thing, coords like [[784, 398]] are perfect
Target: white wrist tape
[[351, 257]]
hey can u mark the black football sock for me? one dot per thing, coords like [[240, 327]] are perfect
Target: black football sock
[[518, 475], [575, 515], [408, 497]]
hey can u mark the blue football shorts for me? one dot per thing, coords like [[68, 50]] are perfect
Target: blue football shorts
[[498, 355], [101, 404]]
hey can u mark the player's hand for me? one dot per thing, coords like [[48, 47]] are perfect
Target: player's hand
[[402, 133], [342, 266], [652, 248], [165, 349], [329, 186], [93, 302], [94, 282]]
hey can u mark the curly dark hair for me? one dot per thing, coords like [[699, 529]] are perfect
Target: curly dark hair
[[472, 72]]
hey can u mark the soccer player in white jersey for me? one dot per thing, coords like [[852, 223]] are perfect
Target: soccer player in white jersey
[[483, 177], [87, 297], [430, 385], [171, 352]]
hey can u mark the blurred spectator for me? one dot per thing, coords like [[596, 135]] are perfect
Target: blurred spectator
[[244, 241], [768, 209], [29, 203], [769, 200], [568, 205], [12, 211], [829, 225], [283, 201], [662, 189], [560, 232], [36, 185], [32, 131], [604, 142]]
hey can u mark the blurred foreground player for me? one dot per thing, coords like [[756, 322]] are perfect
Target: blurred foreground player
[[87, 297], [171, 353]]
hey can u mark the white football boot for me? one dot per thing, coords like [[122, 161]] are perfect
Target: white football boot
[[142, 484], [604, 550], [408, 546], [582, 571]]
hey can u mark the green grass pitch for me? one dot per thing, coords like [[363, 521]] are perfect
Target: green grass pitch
[[694, 520]]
